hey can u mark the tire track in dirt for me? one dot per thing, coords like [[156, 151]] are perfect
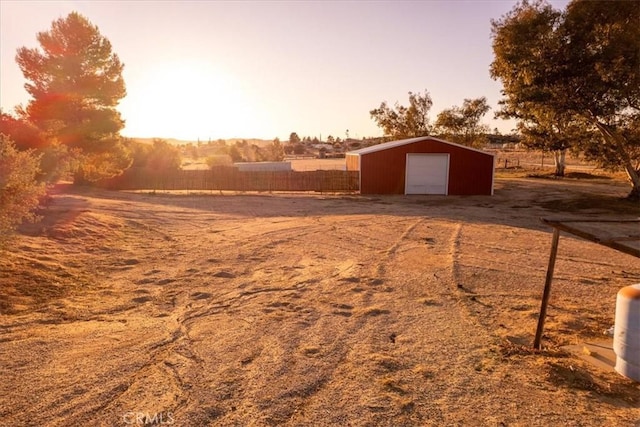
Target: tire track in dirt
[[426, 294], [194, 314], [461, 343], [395, 391], [243, 318], [349, 270], [75, 407], [380, 267], [87, 387]]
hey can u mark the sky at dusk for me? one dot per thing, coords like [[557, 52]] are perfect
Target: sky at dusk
[[264, 69]]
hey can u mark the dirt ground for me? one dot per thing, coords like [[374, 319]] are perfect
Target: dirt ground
[[311, 310]]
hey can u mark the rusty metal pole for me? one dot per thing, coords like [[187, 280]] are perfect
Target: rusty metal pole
[[547, 289]]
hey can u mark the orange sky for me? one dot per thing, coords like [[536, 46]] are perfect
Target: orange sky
[[264, 69]]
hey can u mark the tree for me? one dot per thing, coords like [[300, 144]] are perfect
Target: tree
[[257, 154], [462, 124], [601, 75], [235, 154], [55, 159], [192, 150], [405, 122], [523, 42], [275, 151], [20, 192], [545, 130], [218, 160], [163, 157], [247, 151], [75, 81], [580, 67], [294, 138], [23, 134], [139, 152]]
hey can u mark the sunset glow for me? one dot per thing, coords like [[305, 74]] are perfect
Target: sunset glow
[[187, 100], [264, 69]]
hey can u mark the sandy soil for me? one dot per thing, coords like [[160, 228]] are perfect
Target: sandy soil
[[310, 310]]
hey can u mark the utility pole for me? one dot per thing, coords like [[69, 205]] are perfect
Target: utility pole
[[346, 141]]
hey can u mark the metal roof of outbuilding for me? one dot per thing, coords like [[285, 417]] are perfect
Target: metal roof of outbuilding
[[400, 142]]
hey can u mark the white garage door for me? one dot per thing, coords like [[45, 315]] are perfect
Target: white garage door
[[427, 174]]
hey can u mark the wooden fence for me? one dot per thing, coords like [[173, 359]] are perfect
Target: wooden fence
[[230, 179]]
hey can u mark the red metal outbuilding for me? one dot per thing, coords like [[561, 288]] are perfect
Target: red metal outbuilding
[[423, 165]]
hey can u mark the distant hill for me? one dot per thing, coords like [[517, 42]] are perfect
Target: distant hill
[[173, 141]]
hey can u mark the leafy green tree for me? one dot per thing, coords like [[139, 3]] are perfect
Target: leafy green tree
[[462, 124], [581, 67], [20, 191], [405, 122], [75, 81]]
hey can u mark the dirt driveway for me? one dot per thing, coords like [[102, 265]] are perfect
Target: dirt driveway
[[310, 310]]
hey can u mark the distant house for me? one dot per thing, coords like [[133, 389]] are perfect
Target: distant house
[[499, 142], [327, 147], [423, 165]]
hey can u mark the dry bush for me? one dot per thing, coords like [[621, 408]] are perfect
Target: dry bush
[[20, 192]]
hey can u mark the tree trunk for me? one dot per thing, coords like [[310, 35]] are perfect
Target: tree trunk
[[559, 161], [620, 143], [634, 177]]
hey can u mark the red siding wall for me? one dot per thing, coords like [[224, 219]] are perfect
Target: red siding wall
[[383, 172]]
